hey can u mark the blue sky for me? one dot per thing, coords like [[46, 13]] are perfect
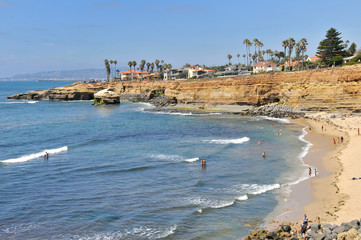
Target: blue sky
[[47, 35]]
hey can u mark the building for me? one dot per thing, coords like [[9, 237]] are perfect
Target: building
[[198, 72], [347, 59], [233, 70], [132, 74], [314, 58], [265, 67], [150, 76], [175, 73]]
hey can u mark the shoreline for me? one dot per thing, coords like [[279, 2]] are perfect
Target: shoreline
[[329, 196]]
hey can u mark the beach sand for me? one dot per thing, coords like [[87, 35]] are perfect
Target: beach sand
[[332, 195]]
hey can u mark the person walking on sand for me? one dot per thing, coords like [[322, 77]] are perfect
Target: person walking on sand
[[358, 131], [309, 171], [322, 128], [341, 139], [304, 227], [334, 141], [315, 172]]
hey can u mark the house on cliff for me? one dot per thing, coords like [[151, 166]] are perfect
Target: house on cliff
[[175, 73], [132, 74], [199, 72], [265, 67]]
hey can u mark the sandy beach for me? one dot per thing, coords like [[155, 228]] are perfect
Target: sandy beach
[[332, 195]]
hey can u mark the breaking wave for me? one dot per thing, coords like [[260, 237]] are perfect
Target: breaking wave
[[280, 120], [32, 156], [229, 141]]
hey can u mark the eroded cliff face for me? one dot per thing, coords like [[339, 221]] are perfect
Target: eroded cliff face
[[323, 89]]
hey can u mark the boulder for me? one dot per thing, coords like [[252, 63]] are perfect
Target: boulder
[[286, 228], [338, 230], [315, 227], [247, 238], [353, 234]]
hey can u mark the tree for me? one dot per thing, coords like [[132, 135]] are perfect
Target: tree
[[229, 56], [291, 44], [152, 66], [304, 44], [107, 67], [238, 57], [248, 45], [134, 64], [157, 64], [130, 64], [352, 49], [244, 56], [285, 46], [142, 65], [331, 46], [298, 52]]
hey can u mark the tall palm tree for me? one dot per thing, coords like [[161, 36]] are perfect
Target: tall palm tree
[[134, 64], [291, 44], [244, 56], [142, 64], [248, 44], [111, 66], [255, 43], [107, 67], [130, 64], [285, 45], [298, 51], [229, 56], [238, 57], [304, 44], [115, 65], [148, 66], [157, 64], [152, 66]]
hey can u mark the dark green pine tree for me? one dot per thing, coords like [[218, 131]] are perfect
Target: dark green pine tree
[[331, 48]]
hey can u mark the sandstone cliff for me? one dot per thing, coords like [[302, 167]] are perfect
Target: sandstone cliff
[[329, 89]]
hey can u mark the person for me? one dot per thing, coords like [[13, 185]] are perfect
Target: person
[[304, 227], [322, 128], [264, 154], [334, 141], [341, 139], [358, 131], [262, 141], [259, 142], [315, 172], [309, 171], [310, 128], [203, 162], [46, 155]]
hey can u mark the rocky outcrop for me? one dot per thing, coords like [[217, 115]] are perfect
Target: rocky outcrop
[[106, 96], [345, 231], [331, 89]]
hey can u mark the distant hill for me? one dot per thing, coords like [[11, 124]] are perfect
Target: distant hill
[[65, 75]]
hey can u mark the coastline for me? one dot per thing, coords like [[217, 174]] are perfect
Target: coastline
[[329, 196]]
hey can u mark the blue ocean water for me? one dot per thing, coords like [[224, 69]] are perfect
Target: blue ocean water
[[117, 172]]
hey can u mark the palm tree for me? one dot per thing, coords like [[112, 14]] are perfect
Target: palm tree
[[157, 64], [148, 66], [118, 72], [285, 45], [298, 51], [152, 66], [291, 44], [255, 43], [238, 57], [248, 45], [111, 66], [304, 44], [107, 67], [244, 56], [130, 64], [134, 64], [115, 65], [142, 64], [229, 56]]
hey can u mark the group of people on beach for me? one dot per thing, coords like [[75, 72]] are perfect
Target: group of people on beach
[[310, 171], [339, 140], [203, 162]]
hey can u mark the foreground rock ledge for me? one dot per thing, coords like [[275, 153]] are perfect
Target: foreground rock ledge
[[331, 89]]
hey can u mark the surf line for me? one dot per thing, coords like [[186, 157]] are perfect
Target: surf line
[[32, 156]]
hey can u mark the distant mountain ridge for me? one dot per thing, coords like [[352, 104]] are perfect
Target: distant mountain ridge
[[64, 75]]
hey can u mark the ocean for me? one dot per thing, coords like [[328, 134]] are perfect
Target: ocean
[[119, 172]]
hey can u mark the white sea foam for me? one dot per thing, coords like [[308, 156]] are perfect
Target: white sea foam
[[208, 203], [165, 157], [175, 113], [229, 141], [242, 198], [22, 102], [35, 155], [280, 120], [191, 159], [32, 102], [256, 189]]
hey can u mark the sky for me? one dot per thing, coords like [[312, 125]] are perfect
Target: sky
[[51, 35]]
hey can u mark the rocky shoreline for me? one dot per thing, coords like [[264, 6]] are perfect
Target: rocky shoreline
[[315, 231]]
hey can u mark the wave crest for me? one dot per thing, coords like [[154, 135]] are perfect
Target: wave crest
[[229, 141], [32, 156]]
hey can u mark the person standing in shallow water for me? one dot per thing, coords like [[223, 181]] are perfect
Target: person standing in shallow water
[[264, 155], [309, 171]]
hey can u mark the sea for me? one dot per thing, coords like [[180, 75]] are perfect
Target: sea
[[121, 172]]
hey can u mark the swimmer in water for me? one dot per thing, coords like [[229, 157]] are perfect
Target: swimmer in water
[[46, 155], [264, 154]]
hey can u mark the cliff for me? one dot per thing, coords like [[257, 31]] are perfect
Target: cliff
[[331, 89]]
